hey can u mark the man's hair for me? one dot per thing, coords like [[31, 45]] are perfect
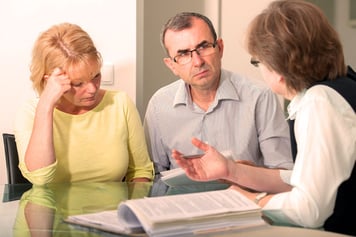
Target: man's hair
[[183, 21]]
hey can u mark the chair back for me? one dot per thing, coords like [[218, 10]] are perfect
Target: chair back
[[14, 175]]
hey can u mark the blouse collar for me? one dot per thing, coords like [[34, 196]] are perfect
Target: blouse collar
[[294, 105]]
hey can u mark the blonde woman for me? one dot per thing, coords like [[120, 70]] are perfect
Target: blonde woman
[[75, 131]]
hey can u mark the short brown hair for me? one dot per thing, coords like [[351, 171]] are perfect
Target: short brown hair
[[295, 39]]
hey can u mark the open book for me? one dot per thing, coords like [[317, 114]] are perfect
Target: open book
[[177, 215]]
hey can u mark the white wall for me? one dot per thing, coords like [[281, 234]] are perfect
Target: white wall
[[346, 32], [111, 24], [235, 18]]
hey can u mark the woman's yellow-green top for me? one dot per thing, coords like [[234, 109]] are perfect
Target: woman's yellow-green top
[[104, 144]]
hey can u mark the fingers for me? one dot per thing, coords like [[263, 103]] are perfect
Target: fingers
[[179, 159], [196, 142], [201, 145], [176, 152], [57, 71], [57, 83], [61, 78]]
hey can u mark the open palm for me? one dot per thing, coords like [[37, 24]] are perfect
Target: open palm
[[210, 166]]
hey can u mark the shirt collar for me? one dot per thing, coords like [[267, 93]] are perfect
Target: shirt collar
[[182, 95], [226, 91], [294, 105]]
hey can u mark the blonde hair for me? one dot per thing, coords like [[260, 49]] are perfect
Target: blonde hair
[[61, 46]]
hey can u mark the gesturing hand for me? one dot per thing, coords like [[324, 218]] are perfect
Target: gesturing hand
[[210, 166]]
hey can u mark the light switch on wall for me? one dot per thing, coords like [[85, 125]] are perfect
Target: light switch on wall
[[107, 74]]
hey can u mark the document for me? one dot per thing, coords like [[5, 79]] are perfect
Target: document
[[176, 215]]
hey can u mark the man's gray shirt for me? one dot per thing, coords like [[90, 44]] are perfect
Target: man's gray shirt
[[245, 121]]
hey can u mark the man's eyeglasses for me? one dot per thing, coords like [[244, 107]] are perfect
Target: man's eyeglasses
[[185, 56], [254, 62]]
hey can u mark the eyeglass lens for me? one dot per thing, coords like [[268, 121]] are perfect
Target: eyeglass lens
[[203, 50]]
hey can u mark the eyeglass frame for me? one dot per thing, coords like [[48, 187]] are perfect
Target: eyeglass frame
[[205, 43], [254, 62]]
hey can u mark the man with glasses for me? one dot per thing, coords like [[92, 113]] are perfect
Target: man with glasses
[[239, 118]]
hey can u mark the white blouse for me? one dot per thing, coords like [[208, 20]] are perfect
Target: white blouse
[[325, 131]]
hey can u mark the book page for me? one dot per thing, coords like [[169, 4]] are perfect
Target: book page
[[107, 221], [180, 214], [194, 212], [175, 207]]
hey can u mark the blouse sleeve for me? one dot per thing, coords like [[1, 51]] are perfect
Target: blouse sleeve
[[23, 129], [140, 165], [325, 130]]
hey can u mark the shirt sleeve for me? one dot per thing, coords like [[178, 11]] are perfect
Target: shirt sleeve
[[325, 130], [273, 132], [153, 138]]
